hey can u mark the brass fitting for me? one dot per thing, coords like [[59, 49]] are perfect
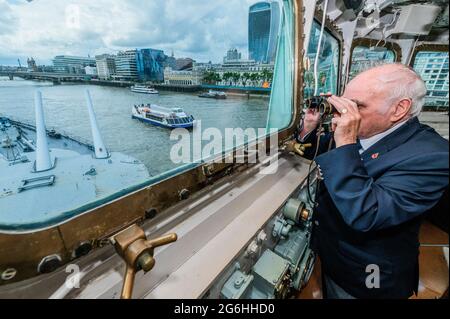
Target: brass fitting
[[304, 214], [137, 252], [298, 148]]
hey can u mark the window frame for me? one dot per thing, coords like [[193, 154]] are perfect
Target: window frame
[[141, 203], [367, 43], [337, 35], [429, 47]]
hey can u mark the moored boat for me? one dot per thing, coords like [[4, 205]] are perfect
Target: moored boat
[[143, 89], [214, 95]]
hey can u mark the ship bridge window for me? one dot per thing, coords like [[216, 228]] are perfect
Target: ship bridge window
[[256, 77], [437, 96], [364, 58], [277, 76], [328, 66]]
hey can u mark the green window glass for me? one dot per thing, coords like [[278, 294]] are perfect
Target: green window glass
[[364, 58], [282, 97], [328, 65], [244, 49], [437, 95]]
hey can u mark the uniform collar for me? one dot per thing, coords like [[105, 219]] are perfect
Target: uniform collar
[[368, 142], [391, 140]]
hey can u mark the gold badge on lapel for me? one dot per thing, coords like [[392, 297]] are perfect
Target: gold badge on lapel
[[375, 156]]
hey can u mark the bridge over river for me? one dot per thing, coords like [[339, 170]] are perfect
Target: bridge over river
[[56, 78]]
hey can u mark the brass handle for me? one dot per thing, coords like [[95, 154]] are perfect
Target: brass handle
[[301, 148], [161, 241], [133, 246], [128, 283], [297, 148]]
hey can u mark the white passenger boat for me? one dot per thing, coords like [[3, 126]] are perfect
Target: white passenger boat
[[143, 89], [161, 116], [211, 94]]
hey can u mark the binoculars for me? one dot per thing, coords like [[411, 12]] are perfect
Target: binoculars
[[320, 104]]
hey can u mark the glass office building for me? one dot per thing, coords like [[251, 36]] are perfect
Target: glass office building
[[433, 67], [141, 64], [150, 65], [263, 30], [106, 66], [126, 67], [72, 64]]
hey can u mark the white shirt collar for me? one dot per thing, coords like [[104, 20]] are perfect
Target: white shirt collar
[[369, 142]]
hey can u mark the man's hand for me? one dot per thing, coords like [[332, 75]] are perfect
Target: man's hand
[[311, 121], [345, 124]]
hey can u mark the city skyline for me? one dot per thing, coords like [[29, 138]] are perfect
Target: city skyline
[[202, 31]]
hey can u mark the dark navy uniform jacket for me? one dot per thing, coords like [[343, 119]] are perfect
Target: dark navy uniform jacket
[[370, 207]]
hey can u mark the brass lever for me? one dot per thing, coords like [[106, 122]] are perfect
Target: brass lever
[[132, 245], [298, 148]]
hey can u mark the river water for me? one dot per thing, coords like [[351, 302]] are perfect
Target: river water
[[65, 109]]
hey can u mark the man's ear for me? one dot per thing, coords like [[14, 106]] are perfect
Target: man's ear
[[401, 110]]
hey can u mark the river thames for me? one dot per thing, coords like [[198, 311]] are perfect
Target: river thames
[[65, 109]]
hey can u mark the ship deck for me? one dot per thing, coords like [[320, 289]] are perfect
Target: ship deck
[[64, 142], [31, 201], [74, 188]]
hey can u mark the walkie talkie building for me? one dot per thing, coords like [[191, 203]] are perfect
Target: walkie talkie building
[[263, 29]]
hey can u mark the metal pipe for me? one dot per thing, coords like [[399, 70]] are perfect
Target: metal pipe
[[43, 160], [128, 283], [99, 146]]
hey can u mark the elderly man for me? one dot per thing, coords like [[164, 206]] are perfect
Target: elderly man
[[384, 171]]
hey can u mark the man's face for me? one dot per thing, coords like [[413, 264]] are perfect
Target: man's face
[[373, 105]]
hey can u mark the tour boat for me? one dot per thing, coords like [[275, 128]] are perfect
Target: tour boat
[[214, 95], [143, 89], [161, 116]]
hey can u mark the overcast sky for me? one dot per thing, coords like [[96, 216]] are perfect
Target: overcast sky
[[201, 29]]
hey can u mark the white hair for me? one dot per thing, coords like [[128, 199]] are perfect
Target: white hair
[[404, 83]]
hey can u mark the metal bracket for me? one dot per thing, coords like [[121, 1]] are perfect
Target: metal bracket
[[36, 182], [137, 252]]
